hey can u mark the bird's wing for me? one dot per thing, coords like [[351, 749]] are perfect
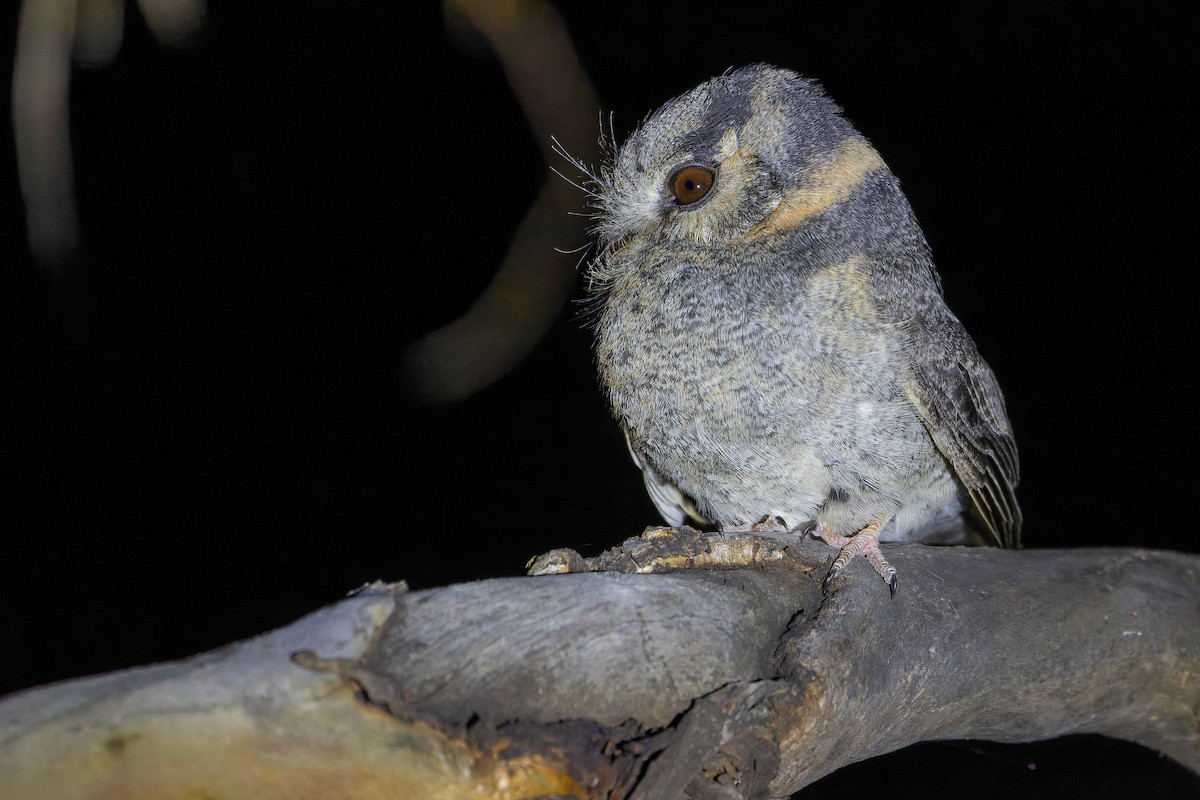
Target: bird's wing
[[960, 402], [675, 506]]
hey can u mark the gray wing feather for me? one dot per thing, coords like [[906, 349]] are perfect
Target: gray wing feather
[[962, 406], [674, 506]]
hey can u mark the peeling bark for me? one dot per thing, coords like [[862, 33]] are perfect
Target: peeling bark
[[712, 681]]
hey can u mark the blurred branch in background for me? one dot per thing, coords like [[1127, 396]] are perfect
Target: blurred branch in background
[[50, 33], [531, 42], [522, 301]]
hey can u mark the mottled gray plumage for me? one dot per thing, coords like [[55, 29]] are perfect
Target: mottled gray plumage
[[780, 347]]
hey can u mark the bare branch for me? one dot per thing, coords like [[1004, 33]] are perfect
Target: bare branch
[[50, 33], [739, 682]]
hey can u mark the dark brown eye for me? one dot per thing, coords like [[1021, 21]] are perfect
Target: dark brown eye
[[691, 184]]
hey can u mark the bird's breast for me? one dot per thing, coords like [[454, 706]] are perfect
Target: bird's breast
[[755, 393]]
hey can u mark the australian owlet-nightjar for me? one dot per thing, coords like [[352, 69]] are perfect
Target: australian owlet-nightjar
[[771, 332]]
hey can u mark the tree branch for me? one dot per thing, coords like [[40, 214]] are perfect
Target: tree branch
[[703, 682]]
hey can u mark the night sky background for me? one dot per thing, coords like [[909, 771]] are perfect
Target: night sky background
[[204, 432]]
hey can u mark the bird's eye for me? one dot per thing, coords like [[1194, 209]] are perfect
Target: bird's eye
[[691, 184]]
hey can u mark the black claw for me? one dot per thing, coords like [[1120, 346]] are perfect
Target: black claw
[[833, 573], [892, 585], [809, 529]]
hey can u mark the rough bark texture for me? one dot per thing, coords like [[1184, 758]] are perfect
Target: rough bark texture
[[704, 682]]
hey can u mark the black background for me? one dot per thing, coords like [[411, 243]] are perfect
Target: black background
[[204, 431]]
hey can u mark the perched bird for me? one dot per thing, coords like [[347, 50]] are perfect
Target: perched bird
[[772, 336]]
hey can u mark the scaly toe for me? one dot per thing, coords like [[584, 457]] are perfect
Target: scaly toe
[[768, 524], [885, 570], [864, 543], [822, 531]]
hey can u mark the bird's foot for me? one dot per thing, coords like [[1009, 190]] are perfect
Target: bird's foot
[[667, 549], [864, 543], [767, 524]]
